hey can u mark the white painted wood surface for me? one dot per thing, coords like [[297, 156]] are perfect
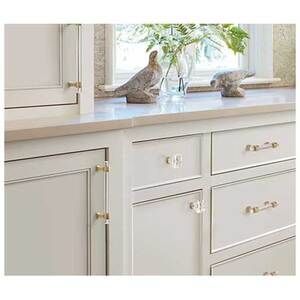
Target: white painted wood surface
[[50, 206], [167, 236], [39, 61], [163, 161], [278, 259], [233, 145], [231, 224]]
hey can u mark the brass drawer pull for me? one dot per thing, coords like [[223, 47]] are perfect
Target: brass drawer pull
[[266, 145], [256, 209], [273, 273]]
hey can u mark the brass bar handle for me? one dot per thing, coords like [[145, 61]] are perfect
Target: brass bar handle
[[256, 209], [273, 273], [266, 145]]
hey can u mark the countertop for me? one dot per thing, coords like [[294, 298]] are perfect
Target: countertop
[[115, 113]]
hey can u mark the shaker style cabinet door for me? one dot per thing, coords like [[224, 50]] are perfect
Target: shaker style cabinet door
[[166, 235], [50, 208], [42, 64]]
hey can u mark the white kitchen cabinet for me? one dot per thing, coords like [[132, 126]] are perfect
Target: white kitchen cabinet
[[159, 172], [50, 208], [278, 259], [40, 62], [166, 235]]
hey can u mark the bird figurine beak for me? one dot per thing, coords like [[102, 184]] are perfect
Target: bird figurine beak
[[213, 83]]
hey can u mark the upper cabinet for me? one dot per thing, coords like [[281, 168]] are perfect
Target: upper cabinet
[[42, 65]]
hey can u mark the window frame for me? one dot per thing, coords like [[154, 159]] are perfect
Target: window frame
[[258, 57]]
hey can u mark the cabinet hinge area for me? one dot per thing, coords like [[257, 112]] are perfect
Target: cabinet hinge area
[[104, 216], [76, 84], [102, 168]]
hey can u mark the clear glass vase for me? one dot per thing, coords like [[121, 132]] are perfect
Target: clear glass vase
[[176, 77]]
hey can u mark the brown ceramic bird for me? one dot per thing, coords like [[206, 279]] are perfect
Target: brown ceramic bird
[[137, 88]]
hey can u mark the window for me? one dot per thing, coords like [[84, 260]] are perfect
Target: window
[[128, 55]]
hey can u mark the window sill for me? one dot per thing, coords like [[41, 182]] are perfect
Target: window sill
[[198, 85]]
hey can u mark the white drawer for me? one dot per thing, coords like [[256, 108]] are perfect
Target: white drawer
[[278, 259], [163, 161], [242, 148], [240, 212]]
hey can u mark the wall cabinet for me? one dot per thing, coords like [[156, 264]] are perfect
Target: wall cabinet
[[50, 208], [167, 235], [40, 61]]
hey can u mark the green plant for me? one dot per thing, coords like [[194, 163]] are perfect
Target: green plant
[[172, 39]]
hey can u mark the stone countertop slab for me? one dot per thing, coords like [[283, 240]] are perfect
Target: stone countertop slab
[[115, 113]]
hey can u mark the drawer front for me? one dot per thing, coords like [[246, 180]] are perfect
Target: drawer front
[[278, 259], [249, 209], [242, 148], [168, 160]]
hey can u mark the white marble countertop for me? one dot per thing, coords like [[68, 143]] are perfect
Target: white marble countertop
[[115, 113]]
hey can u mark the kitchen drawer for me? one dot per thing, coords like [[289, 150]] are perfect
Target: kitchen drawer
[[242, 148], [249, 209], [162, 161], [278, 259]]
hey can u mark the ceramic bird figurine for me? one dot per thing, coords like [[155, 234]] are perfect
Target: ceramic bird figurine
[[137, 88], [229, 82]]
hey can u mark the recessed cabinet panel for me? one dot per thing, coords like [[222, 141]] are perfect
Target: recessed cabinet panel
[[50, 224], [278, 259], [249, 209], [248, 147], [40, 60], [158, 162], [166, 236]]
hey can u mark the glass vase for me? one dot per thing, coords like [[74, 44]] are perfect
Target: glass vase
[[176, 79]]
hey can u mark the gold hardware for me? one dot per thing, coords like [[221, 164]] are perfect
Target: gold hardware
[[273, 273], [256, 209], [266, 145], [104, 216], [100, 168], [76, 84]]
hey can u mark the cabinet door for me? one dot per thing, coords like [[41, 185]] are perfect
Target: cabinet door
[[166, 236], [40, 60], [50, 224]]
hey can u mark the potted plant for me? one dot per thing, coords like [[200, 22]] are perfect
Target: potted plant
[[180, 44]]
